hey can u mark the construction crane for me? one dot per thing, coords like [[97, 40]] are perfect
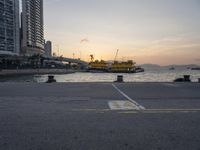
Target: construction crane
[[116, 55]]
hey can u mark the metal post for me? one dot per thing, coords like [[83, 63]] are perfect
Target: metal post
[[120, 78]]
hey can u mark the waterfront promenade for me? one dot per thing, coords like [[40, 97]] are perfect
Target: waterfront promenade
[[34, 71], [99, 116]]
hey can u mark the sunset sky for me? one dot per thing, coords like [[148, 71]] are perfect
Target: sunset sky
[[147, 31]]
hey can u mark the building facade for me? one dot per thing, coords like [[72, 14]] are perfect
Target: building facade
[[48, 49], [32, 27], [9, 27]]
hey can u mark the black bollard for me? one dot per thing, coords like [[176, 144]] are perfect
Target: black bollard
[[199, 80], [187, 78], [51, 79], [120, 78]]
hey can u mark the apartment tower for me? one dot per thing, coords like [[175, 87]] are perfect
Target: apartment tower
[[48, 49], [9, 27], [32, 27]]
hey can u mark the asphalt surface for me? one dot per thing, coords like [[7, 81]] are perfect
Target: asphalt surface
[[77, 116]]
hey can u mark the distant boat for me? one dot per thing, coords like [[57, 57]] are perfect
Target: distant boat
[[197, 68], [172, 68], [139, 69]]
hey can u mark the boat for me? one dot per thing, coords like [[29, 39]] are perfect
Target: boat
[[172, 68], [115, 67], [197, 68], [97, 66], [123, 67], [139, 69]]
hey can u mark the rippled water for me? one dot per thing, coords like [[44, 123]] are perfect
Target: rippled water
[[148, 76]]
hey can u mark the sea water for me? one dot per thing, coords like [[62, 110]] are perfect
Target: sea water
[[147, 76]]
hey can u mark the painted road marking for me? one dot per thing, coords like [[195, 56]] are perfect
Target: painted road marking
[[122, 105], [140, 107], [146, 111], [175, 109], [171, 84], [155, 111]]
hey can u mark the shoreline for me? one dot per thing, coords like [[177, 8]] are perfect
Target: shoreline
[[34, 71]]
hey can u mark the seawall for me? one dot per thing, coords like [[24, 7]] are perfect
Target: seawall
[[34, 71]]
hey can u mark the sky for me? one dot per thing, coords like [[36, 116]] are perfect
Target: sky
[[147, 31]]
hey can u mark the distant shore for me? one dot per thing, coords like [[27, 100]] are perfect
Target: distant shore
[[34, 71]]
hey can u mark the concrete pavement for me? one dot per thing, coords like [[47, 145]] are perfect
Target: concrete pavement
[[77, 116]]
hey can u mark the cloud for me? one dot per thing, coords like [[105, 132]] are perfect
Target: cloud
[[84, 40]]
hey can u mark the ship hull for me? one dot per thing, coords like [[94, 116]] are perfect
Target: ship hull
[[112, 71]]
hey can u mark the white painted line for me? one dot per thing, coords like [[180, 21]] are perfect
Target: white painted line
[[128, 98], [171, 84], [122, 105]]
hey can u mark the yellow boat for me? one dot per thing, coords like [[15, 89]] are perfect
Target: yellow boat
[[98, 66], [123, 67], [115, 67]]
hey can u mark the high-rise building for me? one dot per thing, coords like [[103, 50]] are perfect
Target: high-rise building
[[32, 27], [48, 49], [9, 27]]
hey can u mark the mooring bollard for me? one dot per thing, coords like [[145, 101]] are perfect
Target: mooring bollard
[[51, 79], [187, 78], [120, 78]]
